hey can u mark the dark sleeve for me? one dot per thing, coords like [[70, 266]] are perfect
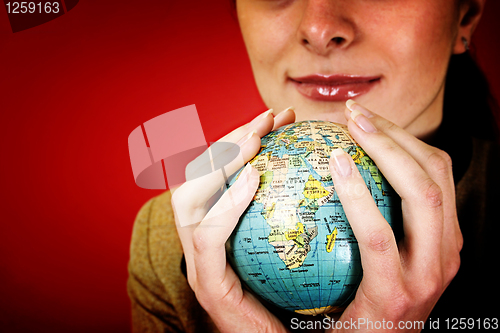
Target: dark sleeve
[[475, 289]]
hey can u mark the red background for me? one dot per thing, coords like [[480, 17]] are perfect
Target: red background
[[71, 92]]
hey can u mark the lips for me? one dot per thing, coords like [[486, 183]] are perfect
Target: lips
[[334, 88]]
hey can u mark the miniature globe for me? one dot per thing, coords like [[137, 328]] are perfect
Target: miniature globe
[[293, 246]]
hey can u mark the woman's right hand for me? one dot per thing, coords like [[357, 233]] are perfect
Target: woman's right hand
[[204, 227]]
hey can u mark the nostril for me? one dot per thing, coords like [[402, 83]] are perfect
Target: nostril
[[338, 40]]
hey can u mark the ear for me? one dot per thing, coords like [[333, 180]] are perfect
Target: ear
[[470, 14]]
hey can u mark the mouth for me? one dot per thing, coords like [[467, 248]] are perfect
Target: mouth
[[334, 88]]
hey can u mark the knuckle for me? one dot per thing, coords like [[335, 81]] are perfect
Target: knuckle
[[200, 242], [399, 302], [354, 191], [177, 195], [430, 289], [177, 200], [389, 126], [388, 145], [184, 205], [186, 202], [381, 241], [432, 193], [226, 296], [440, 162]]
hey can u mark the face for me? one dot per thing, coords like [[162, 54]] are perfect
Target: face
[[389, 55]]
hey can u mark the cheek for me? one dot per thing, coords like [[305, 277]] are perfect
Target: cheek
[[267, 35], [419, 38], [417, 55], [269, 39]]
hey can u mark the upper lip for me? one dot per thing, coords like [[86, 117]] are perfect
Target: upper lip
[[335, 79]]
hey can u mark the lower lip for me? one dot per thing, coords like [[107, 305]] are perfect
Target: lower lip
[[334, 93]]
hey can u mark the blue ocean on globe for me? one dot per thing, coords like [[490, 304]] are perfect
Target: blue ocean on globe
[[293, 246]]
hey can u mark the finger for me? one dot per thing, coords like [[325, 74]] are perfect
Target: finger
[[190, 202], [421, 197], [282, 118], [262, 124], [440, 170], [285, 117], [436, 163], [202, 185], [208, 180], [186, 232], [210, 236], [377, 244]]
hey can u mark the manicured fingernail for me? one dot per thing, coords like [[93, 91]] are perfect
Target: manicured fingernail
[[244, 139], [265, 114], [349, 104], [364, 123], [353, 106], [257, 119], [290, 108], [342, 164], [280, 115]]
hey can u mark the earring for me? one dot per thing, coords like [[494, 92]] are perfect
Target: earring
[[466, 43]]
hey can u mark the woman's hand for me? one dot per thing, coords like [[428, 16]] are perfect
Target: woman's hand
[[401, 282], [204, 224]]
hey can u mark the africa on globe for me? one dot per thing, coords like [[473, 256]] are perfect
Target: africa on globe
[[293, 246]]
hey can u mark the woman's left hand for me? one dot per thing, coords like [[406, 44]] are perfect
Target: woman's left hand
[[401, 281]]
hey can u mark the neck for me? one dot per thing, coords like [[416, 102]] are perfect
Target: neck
[[427, 123]]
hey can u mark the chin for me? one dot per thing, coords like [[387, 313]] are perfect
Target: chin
[[315, 110]]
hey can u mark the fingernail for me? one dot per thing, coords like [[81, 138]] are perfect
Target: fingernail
[[349, 104], [290, 108], [279, 115], [265, 114], [244, 139], [364, 123], [257, 119], [353, 106], [342, 164]]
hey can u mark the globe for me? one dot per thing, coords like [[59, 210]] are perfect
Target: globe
[[293, 246]]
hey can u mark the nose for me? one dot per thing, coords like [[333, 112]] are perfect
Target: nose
[[326, 26]]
